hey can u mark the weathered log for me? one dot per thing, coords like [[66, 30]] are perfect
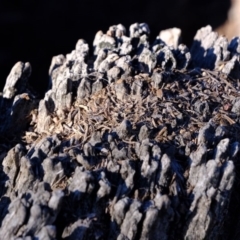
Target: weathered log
[[134, 142]]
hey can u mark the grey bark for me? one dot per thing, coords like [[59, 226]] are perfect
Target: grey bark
[[136, 142]]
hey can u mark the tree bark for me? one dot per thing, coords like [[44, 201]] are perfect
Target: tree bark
[[138, 141]]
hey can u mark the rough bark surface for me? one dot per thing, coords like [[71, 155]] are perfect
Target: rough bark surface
[[139, 141]]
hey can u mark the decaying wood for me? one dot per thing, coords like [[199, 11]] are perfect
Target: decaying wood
[[138, 141]]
